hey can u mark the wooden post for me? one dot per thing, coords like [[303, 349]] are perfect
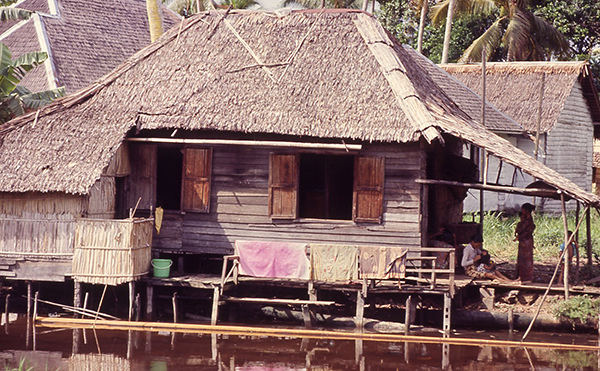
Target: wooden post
[[149, 300], [137, 307], [214, 317], [76, 295], [408, 315], [174, 307], [445, 356], [35, 302], [588, 227], [312, 292], [306, 316], [511, 320], [566, 255], [577, 212], [447, 311], [6, 300], [131, 298], [360, 309], [28, 299]]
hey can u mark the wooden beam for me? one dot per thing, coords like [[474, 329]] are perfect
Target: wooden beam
[[540, 192], [257, 143]]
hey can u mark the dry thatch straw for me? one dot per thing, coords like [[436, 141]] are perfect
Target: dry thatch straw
[[102, 198], [331, 74], [514, 87], [112, 251]]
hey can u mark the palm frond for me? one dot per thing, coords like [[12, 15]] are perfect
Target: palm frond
[[39, 99], [517, 37], [491, 40], [549, 37], [439, 12], [14, 14]]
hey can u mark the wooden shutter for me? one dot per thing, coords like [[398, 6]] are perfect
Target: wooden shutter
[[283, 186], [141, 183], [368, 189], [197, 169]]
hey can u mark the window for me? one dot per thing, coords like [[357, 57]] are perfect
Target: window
[[173, 178], [342, 187]]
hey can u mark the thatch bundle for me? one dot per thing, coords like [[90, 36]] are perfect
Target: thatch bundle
[[112, 251], [119, 165], [98, 362]]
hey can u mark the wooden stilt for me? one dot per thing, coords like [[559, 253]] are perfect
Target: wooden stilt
[[149, 294], [76, 294], [447, 311], [6, 300], [312, 292], [511, 321], [360, 305], [566, 255], [148, 345], [131, 298], [85, 300], [588, 234], [213, 346], [445, 356], [306, 316], [408, 314], [174, 307], [76, 337], [576, 253], [35, 302], [137, 307], [180, 268], [28, 299], [215, 306]]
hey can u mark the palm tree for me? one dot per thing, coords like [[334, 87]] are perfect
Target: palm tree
[[154, 19], [15, 100], [525, 36], [423, 5]]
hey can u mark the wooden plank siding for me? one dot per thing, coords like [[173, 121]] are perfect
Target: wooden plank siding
[[240, 205], [570, 145]]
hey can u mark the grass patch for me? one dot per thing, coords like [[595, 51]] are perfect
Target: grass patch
[[578, 310], [499, 232]]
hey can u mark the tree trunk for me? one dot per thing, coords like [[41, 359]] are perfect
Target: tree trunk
[[449, 16], [154, 20], [424, 9]]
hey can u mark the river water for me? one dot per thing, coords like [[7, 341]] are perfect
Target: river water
[[53, 349]]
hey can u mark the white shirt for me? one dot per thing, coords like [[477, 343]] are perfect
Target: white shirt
[[469, 253]]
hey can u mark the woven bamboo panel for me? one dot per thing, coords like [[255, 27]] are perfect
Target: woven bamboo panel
[[98, 362], [111, 252]]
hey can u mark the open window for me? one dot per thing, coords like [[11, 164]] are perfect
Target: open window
[[323, 186]]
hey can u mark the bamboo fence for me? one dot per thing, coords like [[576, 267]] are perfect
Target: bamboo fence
[[112, 252], [33, 234], [98, 362]]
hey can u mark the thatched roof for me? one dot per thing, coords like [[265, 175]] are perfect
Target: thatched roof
[[84, 39], [515, 87], [320, 74], [467, 99]]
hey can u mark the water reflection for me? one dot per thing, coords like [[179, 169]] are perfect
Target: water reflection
[[107, 350]]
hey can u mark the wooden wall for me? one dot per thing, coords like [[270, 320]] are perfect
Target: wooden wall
[[570, 146], [239, 206]]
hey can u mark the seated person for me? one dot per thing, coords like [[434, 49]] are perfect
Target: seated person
[[471, 261], [571, 251], [443, 238]]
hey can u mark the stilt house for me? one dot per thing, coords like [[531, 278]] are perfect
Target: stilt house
[[311, 126], [557, 105]]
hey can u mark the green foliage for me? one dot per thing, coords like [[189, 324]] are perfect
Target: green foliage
[[498, 234], [576, 359], [22, 367], [15, 100], [578, 309], [399, 19]]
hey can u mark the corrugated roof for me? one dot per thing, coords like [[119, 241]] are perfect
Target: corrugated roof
[[515, 88], [87, 39], [325, 74]]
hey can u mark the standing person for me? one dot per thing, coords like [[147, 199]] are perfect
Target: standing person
[[524, 234]]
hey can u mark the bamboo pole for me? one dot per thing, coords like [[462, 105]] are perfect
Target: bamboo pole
[[567, 239], [58, 322], [588, 232], [550, 284], [100, 305]]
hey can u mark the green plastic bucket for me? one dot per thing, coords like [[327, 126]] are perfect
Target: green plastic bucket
[[161, 267]]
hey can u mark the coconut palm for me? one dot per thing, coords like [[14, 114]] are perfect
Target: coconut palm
[[423, 6], [525, 36], [15, 100]]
